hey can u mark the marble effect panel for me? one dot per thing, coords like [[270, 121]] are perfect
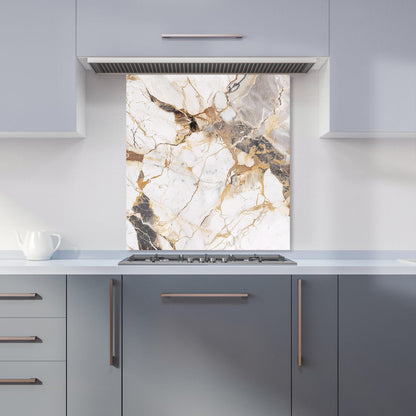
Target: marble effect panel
[[208, 162]]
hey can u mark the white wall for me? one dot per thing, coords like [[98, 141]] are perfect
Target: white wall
[[346, 194]]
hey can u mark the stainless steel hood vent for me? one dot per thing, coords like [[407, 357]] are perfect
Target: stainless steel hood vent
[[201, 65]]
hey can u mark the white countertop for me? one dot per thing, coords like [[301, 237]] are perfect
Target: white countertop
[[305, 266]]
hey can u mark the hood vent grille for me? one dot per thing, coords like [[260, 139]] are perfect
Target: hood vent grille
[[201, 67]]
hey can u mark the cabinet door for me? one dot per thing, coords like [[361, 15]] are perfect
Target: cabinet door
[[314, 382], [373, 66], [202, 355], [39, 72], [377, 344], [269, 27], [94, 385]]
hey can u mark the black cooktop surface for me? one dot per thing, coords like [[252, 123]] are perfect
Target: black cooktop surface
[[205, 258]]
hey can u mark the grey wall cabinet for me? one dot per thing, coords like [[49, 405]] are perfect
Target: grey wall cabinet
[[94, 385], [269, 27], [41, 81], [207, 356], [314, 382], [372, 68], [377, 344]]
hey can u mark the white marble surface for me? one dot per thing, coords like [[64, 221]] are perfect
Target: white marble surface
[[208, 162], [304, 266]]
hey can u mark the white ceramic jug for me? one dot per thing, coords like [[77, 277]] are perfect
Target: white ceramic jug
[[38, 245]]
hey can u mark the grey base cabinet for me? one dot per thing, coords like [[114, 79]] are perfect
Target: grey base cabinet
[[315, 360], [377, 345], [93, 383], [192, 354], [32, 345]]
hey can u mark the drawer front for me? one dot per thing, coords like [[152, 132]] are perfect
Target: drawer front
[[44, 398], [32, 296], [32, 339]]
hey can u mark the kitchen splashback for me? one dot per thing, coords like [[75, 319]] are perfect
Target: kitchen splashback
[[208, 162]]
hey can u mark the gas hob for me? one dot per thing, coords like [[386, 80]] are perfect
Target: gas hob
[[183, 259]]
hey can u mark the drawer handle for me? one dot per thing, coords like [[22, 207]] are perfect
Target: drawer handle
[[205, 295], [112, 357], [9, 296], [25, 381], [201, 36], [300, 323], [19, 339]]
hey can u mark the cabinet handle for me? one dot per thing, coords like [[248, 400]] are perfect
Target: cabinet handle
[[299, 322], [9, 296], [205, 295], [112, 358], [201, 36], [19, 339], [25, 381]]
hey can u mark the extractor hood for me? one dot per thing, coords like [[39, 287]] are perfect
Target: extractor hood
[[203, 65]]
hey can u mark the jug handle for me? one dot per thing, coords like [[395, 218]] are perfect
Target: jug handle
[[59, 241], [19, 239]]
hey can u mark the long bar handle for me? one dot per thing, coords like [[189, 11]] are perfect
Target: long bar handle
[[19, 339], [202, 36], [299, 322], [19, 381], [205, 295], [18, 296], [112, 358]]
